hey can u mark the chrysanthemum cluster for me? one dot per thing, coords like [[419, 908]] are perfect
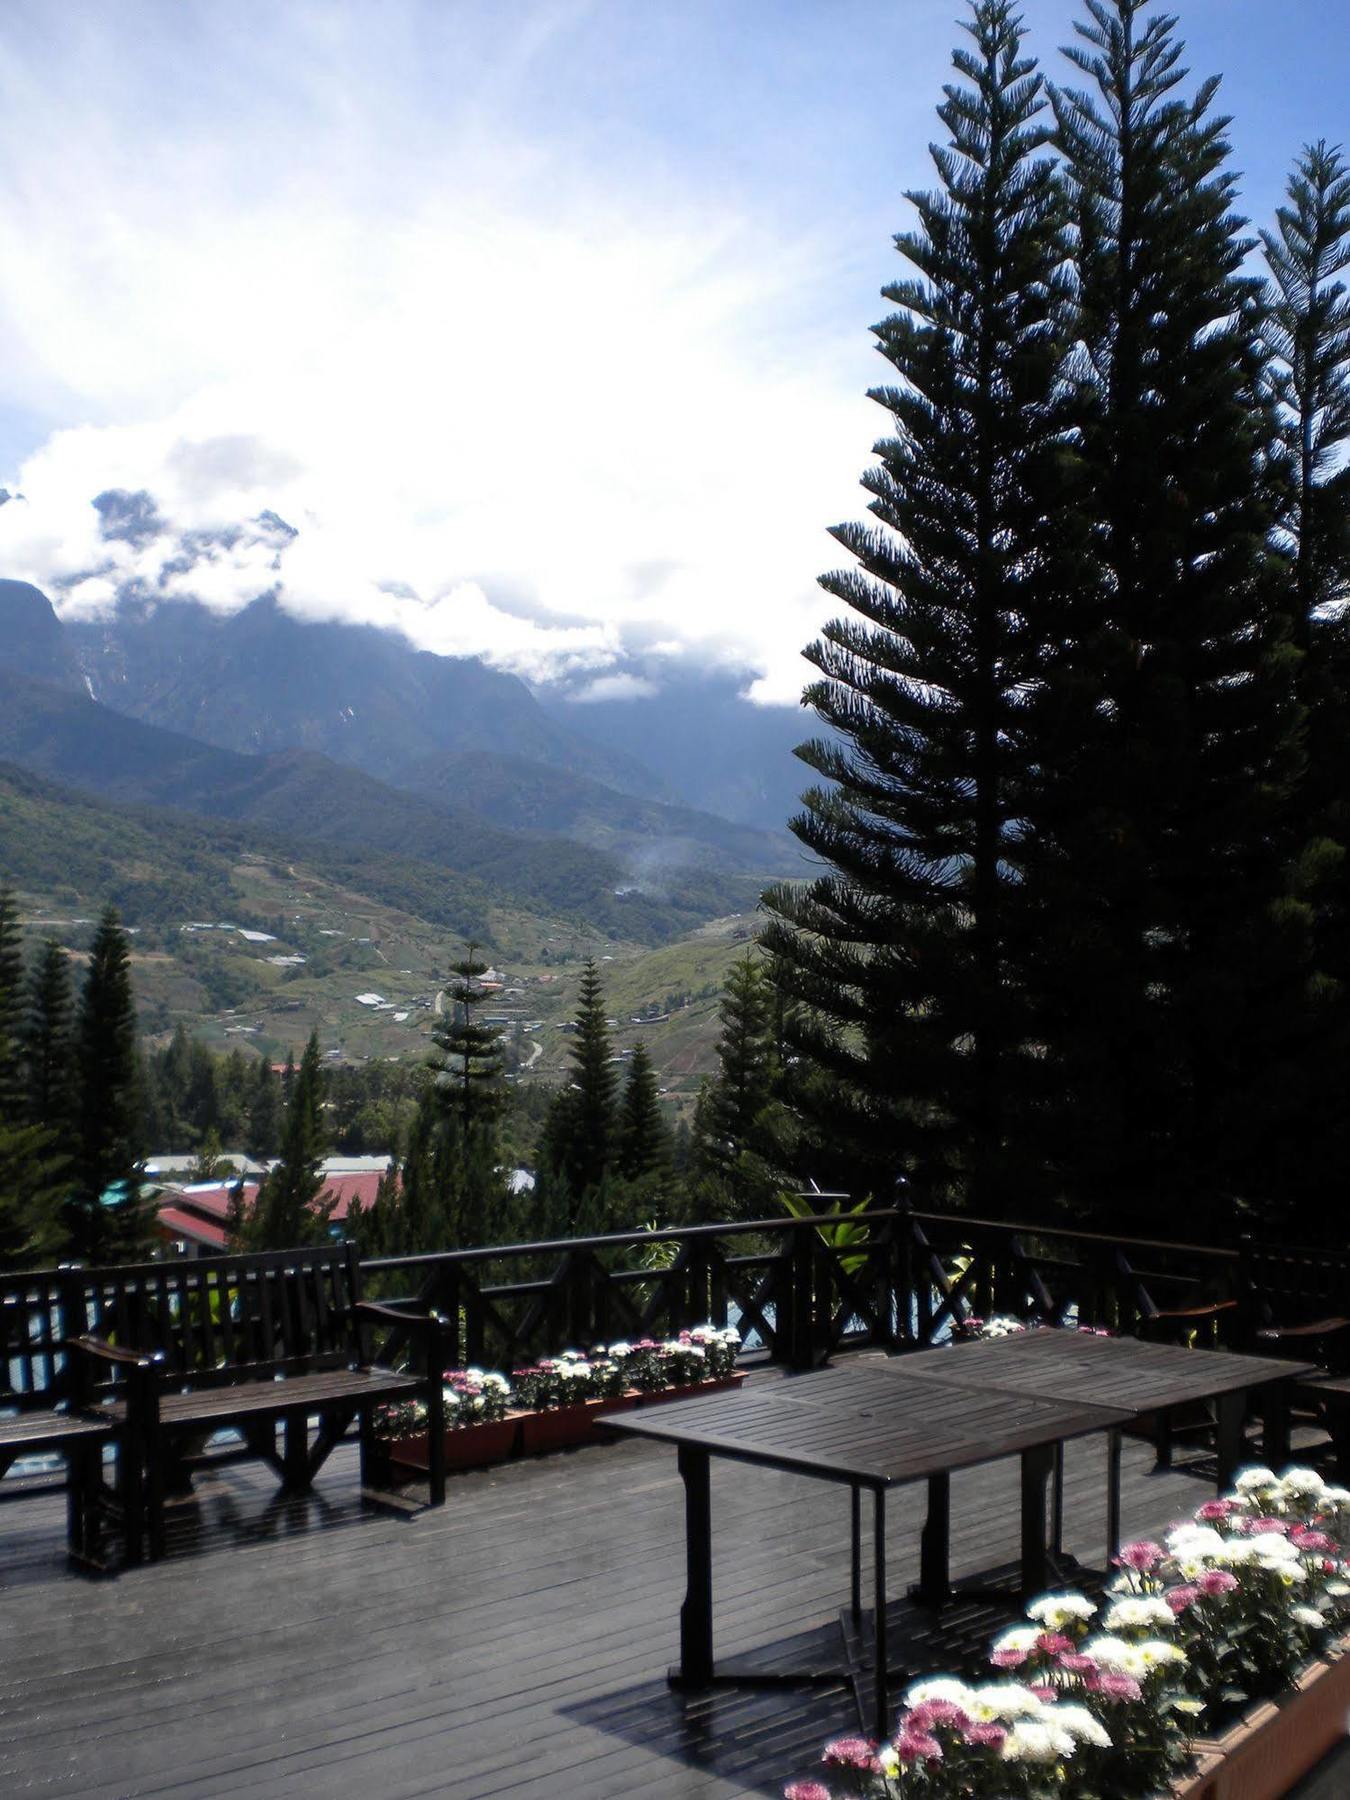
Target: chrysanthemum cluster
[[1103, 1698], [473, 1396]]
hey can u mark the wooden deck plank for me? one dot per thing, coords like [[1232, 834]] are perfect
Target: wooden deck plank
[[512, 1643]]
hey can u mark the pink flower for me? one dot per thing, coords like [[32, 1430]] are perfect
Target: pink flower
[[1214, 1509], [806, 1790], [1114, 1684], [1217, 1581], [1042, 1690], [917, 1746], [1008, 1659], [1076, 1663], [936, 1712], [990, 1735], [1140, 1556], [1179, 1598], [1309, 1540], [850, 1753], [1053, 1643]]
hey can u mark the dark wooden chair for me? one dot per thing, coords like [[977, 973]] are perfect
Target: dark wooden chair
[[49, 1404], [1296, 1302], [258, 1345]]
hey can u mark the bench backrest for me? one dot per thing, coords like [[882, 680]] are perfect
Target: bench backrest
[[212, 1318], [33, 1368], [1292, 1284]]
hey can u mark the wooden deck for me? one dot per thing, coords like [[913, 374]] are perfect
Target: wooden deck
[[513, 1643]]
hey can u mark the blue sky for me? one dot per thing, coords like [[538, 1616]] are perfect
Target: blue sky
[[545, 325]]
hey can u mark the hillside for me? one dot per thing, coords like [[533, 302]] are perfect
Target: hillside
[[189, 888], [74, 740], [334, 933]]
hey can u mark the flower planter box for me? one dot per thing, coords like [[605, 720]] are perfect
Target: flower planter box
[[1278, 1742], [466, 1447], [558, 1427], [538, 1433]]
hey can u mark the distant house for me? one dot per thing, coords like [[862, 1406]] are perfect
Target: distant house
[[195, 1218]]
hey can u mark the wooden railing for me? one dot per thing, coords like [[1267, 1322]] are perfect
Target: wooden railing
[[798, 1289], [793, 1294]]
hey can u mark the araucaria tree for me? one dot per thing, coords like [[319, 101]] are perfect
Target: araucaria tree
[[290, 1209], [579, 1134], [1165, 961], [901, 960], [1307, 338], [109, 1220], [33, 1163]]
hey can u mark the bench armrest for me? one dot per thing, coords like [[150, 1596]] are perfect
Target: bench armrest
[[106, 1352], [379, 1314]]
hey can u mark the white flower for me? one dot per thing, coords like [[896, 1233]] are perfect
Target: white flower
[[1036, 1740], [1137, 1614], [941, 1687], [1338, 1589], [1308, 1615], [1018, 1637], [1302, 1484], [1195, 1541], [1115, 1653], [1055, 1610], [1256, 1481], [1272, 1546], [997, 1700], [1156, 1653], [1081, 1724]]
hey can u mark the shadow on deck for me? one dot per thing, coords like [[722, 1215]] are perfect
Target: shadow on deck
[[513, 1643]]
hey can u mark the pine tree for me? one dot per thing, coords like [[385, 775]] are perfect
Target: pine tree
[[579, 1134], [899, 964], [12, 1106], [290, 1210], [643, 1136], [48, 1040], [33, 1166], [469, 1068], [109, 1219], [263, 1139], [1152, 858], [1307, 338]]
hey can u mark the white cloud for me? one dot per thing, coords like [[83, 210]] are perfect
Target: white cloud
[[457, 360], [622, 686]]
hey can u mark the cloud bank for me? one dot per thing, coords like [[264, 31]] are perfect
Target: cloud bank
[[406, 364]]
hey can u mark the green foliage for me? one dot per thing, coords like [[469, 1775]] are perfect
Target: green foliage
[[48, 1042], [643, 1136], [898, 963], [579, 1137], [289, 1210], [110, 1220]]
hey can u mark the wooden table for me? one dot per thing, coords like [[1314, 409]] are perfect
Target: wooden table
[[1136, 1377], [867, 1427]]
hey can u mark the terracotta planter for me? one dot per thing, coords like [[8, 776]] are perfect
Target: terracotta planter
[[1277, 1743], [558, 1427], [466, 1447]]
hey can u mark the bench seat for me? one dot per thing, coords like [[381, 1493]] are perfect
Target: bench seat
[[26, 1434], [294, 1397]]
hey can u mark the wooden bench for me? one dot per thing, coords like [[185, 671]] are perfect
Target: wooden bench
[[256, 1344], [48, 1405], [1296, 1301]]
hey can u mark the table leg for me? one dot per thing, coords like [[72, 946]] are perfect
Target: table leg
[[1231, 1410], [934, 1544], [1112, 1495], [696, 1615], [855, 1570], [1057, 1504], [882, 1720], [1037, 1467], [1275, 1424]]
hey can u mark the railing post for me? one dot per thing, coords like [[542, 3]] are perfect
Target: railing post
[[802, 1352]]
